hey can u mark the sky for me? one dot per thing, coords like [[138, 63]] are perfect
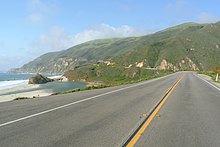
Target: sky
[[30, 28]]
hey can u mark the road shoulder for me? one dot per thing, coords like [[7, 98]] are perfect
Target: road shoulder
[[208, 78]]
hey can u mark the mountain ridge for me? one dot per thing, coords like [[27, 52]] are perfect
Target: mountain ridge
[[189, 46]]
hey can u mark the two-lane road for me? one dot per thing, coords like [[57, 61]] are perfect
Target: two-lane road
[[189, 118], [107, 117]]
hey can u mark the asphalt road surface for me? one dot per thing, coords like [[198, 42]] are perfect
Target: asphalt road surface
[[189, 118], [108, 117]]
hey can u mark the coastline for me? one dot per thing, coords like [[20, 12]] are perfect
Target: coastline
[[38, 90], [12, 93]]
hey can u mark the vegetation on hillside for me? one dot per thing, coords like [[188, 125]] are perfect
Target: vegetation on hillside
[[189, 46], [112, 74]]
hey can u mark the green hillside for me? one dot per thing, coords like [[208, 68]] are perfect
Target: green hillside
[[188, 46], [111, 74]]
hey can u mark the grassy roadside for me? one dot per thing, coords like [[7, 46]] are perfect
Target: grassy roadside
[[24, 98], [115, 83], [209, 73], [82, 89]]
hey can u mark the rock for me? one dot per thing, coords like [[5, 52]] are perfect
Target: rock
[[141, 64], [39, 79], [60, 79]]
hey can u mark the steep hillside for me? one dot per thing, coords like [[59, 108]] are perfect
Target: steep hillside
[[82, 54], [111, 74], [188, 46]]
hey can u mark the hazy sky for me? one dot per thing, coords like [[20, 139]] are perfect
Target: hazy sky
[[30, 28]]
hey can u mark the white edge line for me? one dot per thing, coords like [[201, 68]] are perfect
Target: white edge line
[[80, 101], [208, 82]]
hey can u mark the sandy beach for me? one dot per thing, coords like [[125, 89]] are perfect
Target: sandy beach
[[27, 90], [39, 90], [11, 93]]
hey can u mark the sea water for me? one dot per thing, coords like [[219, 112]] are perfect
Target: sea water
[[10, 80]]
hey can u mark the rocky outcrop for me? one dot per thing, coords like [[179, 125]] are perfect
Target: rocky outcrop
[[141, 64], [185, 64], [164, 65], [39, 79]]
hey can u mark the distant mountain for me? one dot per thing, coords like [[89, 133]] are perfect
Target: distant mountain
[[188, 46]]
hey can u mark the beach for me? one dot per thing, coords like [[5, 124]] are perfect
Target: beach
[[13, 93], [22, 89]]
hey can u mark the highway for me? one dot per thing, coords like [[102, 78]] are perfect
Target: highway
[[187, 115]]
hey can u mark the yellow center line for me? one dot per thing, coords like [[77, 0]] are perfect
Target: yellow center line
[[146, 124]]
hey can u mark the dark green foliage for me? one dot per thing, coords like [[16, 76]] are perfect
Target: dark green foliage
[[82, 89], [21, 98], [154, 53]]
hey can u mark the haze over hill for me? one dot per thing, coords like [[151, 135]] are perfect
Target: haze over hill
[[189, 46]]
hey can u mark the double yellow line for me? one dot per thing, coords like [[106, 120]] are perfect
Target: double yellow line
[[136, 137]]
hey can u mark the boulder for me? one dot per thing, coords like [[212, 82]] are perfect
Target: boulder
[[39, 79]]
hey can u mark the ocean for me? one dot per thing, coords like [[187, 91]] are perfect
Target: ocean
[[13, 76], [10, 80]]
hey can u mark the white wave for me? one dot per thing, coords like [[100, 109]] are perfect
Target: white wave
[[11, 84], [55, 77]]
